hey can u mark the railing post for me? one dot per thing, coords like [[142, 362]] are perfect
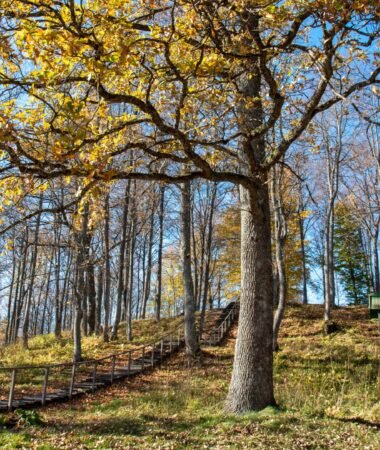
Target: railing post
[[129, 362], [162, 349], [179, 336], [113, 368], [94, 376], [71, 388], [44, 387], [143, 358], [12, 389], [152, 360]]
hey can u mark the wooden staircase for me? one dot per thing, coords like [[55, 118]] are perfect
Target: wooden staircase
[[34, 386]]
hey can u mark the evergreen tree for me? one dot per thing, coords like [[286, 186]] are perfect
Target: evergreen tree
[[350, 257]]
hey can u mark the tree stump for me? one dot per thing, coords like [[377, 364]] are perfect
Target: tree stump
[[330, 327]]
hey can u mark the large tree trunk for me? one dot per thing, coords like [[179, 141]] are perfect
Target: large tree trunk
[[251, 385], [191, 337]]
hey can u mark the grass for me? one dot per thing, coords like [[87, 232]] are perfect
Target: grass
[[327, 388], [46, 349]]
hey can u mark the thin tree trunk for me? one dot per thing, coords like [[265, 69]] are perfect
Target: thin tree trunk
[[207, 258], [63, 304], [8, 327], [46, 298], [131, 276], [99, 298], [376, 265], [91, 291], [329, 266], [120, 286], [86, 255], [191, 337], [79, 287], [58, 318], [107, 289], [149, 266], [279, 234], [159, 256], [301, 227], [25, 329], [195, 254]]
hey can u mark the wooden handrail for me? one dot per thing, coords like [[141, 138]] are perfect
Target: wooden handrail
[[90, 361], [174, 339]]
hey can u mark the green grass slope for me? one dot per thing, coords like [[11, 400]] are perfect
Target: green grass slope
[[46, 349], [327, 388]]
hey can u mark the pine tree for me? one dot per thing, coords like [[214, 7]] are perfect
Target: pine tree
[[350, 258]]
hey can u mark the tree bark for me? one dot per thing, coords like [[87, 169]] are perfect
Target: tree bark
[[79, 287], [251, 385], [10, 296], [120, 286], [191, 337], [159, 256], [279, 235], [208, 258], [301, 227], [131, 278], [57, 254], [107, 288], [149, 266], [376, 265], [91, 291], [25, 328], [99, 298]]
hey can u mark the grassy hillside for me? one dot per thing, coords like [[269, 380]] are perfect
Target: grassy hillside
[[45, 349], [327, 387]]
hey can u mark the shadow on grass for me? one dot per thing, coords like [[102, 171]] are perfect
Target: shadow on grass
[[358, 420]]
